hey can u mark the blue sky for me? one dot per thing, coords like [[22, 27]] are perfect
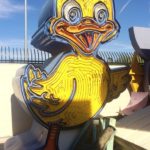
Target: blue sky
[[128, 13]]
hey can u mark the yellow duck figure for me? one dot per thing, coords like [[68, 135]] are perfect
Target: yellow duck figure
[[75, 85]]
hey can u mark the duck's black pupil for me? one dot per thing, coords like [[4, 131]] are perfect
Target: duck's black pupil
[[101, 15], [74, 15]]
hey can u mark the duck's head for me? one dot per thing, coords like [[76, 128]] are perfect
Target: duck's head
[[84, 23]]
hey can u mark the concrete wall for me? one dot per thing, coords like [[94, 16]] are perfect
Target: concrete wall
[[12, 117]]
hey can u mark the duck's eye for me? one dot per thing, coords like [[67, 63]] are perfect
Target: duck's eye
[[72, 12], [101, 13]]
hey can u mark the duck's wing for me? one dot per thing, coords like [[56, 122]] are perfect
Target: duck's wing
[[119, 82]]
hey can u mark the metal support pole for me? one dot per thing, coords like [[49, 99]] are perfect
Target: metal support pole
[[26, 30]]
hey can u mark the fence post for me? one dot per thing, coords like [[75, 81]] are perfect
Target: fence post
[[117, 57], [1, 52], [27, 55], [34, 55], [45, 55], [5, 55], [9, 53], [31, 54], [41, 56], [38, 55]]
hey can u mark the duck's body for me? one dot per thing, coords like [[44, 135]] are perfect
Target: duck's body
[[79, 87]]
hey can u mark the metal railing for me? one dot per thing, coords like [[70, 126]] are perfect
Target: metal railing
[[120, 58], [16, 55]]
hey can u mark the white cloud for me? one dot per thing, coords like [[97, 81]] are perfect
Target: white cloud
[[124, 7], [7, 8]]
